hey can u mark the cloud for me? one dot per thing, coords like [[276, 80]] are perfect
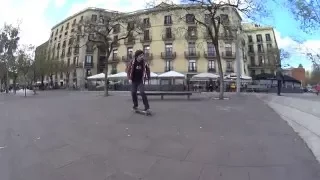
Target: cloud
[[34, 28], [60, 3]]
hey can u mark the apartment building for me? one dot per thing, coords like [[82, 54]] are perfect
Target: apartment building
[[262, 53], [169, 41]]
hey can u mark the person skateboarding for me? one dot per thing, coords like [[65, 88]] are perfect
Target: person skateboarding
[[138, 71]]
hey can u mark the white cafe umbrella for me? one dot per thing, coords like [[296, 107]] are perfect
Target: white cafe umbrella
[[97, 76], [205, 76], [118, 75], [246, 77], [153, 75], [171, 74]]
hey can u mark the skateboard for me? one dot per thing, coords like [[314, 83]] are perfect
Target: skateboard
[[140, 111]]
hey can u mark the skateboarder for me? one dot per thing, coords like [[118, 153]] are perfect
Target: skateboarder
[[138, 71]]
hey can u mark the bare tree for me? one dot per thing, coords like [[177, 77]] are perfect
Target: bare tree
[[307, 13], [9, 38], [217, 25], [106, 30], [41, 63], [24, 65]]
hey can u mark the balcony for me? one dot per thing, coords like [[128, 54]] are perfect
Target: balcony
[[211, 70], [88, 64], [168, 55], [191, 37], [114, 59], [229, 55], [228, 37], [167, 23], [251, 53], [192, 54], [209, 54], [168, 68], [260, 66], [129, 41], [127, 58], [146, 25], [192, 69], [261, 52], [168, 37], [229, 70], [146, 39], [259, 42]]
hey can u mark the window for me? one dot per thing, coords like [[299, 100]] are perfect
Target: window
[[74, 22], [68, 62], [114, 53], [250, 39], [69, 50], [192, 31], [190, 18], [268, 38], [192, 48], [130, 52], [114, 67], [101, 19], [94, 18], [130, 26], [70, 41], [259, 37], [224, 18], [269, 47], [261, 60], [211, 65], [67, 27], [146, 22], [167, 20], [260, 48], [229, 65], [168, 33], [61, 29], [89, 59], [192, 65], [211, 49], [252, 61], [146, 49], [168, 66], [88, 72], [81, 18], [228, 48], [76, 61], [66, 33], [251, 48], [116, 28], [101, 70], [168, 49], [146, 35]]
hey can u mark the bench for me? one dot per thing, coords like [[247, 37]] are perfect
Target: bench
[[188, 94]]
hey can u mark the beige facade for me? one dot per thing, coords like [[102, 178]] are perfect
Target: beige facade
[[169, 42], [262, 52]]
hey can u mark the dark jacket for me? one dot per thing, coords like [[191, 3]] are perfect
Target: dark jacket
[[279, 75], [146, 70]]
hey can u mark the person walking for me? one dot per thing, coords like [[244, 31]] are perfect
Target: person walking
[[138, 71], [280, 80]]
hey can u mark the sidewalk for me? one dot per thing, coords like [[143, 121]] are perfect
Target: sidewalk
[[81, 136], [303, 114]]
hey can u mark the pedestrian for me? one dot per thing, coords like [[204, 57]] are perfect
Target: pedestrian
[[138, 71], [317, 88], [280, 80]]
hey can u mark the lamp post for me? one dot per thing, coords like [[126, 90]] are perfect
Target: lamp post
[[238, 63]]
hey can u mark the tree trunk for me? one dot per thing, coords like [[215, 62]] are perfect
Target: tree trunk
[[221, 93], [14, 84], [106, 86]]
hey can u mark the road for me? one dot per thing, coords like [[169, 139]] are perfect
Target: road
[[63, 135]]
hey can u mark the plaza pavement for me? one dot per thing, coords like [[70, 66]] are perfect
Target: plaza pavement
[[62, 135]]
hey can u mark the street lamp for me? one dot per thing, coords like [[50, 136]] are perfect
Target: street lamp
[[238, 59]]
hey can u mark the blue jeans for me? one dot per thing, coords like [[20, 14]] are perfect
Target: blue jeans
[[134, 89]]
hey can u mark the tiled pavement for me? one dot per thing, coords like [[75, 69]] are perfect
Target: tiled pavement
[[82, 136]]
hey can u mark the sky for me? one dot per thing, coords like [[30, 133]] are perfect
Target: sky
[[37, 17]]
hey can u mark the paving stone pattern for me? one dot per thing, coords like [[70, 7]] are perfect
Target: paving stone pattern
[[80, 136]]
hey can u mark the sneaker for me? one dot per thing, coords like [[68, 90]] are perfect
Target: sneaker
[[146, 110], [134, 108]]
